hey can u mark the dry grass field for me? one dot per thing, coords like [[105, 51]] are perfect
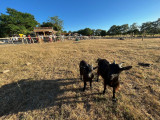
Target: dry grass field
[[50, 88]]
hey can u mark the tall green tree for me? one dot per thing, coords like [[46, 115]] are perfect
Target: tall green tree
[[134, 29], [47, 24], [114, 30], [103, 33], [98, 32], [93, 32], [124, 29], [148, 28], [69, 31], [65, 31], [15, 22], [156, 25], [86, 31], [54, 22]]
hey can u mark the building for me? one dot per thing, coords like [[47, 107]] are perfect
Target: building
[[44, 31]]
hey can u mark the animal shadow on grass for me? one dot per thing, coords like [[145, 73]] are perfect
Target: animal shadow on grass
[[28, 94]]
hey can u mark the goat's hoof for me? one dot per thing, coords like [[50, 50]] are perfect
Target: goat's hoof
[[103, 92], [97, 81], [83, 90]]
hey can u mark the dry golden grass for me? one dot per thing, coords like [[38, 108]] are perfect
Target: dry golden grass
[[50, 88]]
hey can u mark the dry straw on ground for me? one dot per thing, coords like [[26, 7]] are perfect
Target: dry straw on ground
[[50, 88]]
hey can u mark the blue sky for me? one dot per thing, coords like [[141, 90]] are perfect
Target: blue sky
[[95, 14]]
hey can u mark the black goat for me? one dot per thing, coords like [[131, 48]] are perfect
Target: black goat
[[110, 73], [86, 73]]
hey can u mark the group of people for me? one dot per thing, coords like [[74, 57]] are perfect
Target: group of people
[[14, 38], [38, 38], [23, 38], [52, 38]]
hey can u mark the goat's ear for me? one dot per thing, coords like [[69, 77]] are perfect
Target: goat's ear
[[126, 68], [98, 60]]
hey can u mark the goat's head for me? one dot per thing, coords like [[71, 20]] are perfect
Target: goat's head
[[88, 70], [116, 69], [98, 60]]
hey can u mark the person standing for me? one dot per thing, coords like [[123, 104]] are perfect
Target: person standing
[[50, 38], [62, 37], [54, 38], [29, 38]]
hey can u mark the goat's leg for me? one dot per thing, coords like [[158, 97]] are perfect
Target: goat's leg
[[84, 86], [97, 76], [104, 87], [91, 84], [81, 74], [114, 91]]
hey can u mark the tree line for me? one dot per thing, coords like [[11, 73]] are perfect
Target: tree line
[[15, 22], [148, 28]]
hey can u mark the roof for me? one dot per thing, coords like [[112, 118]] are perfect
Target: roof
[[44, 29]]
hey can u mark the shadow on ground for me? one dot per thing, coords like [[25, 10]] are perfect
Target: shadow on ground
[[31, 94], [28, 94]]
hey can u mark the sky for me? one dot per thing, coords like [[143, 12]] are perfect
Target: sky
[[94, 14]]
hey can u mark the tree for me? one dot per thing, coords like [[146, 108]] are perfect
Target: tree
[[103, 33], [98, 32], [54, 22], [94, 32], [124, 28], [47, 24], [80, 32], [64, 31], [86, 31], [114, 30], [148, 28], [156, 25], [69, 31], [134, 29], [16, 22]]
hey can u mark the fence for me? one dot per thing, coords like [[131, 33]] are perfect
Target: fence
[[27, 40]]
